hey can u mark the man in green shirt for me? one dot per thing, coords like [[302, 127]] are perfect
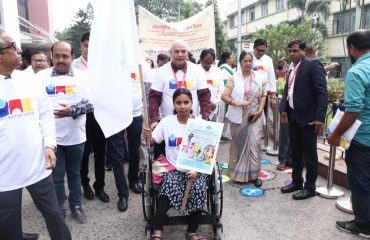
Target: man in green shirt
[[357, 103]]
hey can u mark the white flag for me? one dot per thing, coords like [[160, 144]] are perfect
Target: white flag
[[113, 53]]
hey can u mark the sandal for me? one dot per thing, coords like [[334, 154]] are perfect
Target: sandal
[[189, 236], [157, 236]]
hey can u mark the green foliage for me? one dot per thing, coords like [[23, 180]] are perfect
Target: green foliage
[[221, 40], [280, 35], [81, 24], [169, 10], [335, 88]]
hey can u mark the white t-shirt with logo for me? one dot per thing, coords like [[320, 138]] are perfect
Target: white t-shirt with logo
[[170, 130], [137, 104], [164, 81], [66, 90], [265, 66], [26, 127]]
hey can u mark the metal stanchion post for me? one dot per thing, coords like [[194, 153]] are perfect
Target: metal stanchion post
[[330, 191], [276, 125], [345, 204], [266, 128]]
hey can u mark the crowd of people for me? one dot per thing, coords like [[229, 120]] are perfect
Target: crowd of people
[[49, 99]]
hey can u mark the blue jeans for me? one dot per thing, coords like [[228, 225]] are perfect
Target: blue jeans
[[358, 173], [69, 160]]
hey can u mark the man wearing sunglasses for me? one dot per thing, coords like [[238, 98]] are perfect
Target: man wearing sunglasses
[[27, 134]]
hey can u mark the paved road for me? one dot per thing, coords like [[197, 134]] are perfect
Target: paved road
[[272, 216]]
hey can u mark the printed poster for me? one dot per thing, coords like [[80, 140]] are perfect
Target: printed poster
[[199, 146]]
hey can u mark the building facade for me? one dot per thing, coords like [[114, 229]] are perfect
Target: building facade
[[257, 14]]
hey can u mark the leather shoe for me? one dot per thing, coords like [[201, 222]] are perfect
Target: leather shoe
[[122, 204], [30, 236], [304, 194], [291, 188], [88, 192], [136, 187], [257, 182], [102, 195]]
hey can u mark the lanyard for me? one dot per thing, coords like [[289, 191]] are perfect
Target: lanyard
[[183, 83], [248, 90], [292, 79], [84, 63]]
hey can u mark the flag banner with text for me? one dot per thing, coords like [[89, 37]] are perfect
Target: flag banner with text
[[157, 35]]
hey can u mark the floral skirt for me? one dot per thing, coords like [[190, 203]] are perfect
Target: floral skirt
[[174, 185]]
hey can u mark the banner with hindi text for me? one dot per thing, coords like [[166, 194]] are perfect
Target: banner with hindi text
[[157, 35]]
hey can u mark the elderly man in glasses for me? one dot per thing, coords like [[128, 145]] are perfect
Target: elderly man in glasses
[[27, 152]]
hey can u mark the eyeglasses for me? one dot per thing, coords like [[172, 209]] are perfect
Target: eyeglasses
[[12, 45], [38, 60]]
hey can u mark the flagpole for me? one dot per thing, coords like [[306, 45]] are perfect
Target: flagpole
[[143, 99]]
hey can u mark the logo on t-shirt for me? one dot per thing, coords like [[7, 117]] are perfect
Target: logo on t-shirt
[[173, 84], [212, 82], [60, 90], [135, 76], [174, 141], [259, 68], [16, 107]]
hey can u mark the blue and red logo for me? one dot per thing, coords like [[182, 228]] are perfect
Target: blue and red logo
[[259, 68], [174, 141], [60, 90], [15, 106]]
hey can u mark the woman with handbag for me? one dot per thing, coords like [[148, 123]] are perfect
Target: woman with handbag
[[245, 94], [171, 129]]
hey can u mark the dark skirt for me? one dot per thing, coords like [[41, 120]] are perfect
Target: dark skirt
[[174, 185]]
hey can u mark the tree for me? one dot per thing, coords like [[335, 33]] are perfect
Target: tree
[[169, 10], [280, 35], [221, 41], [309, 7], [81, 25]]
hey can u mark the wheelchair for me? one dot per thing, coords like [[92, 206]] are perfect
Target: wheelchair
[[212, 211]]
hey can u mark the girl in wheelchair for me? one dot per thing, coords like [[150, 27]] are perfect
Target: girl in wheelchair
[[171, 130]]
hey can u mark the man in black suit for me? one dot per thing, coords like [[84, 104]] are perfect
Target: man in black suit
[[305, 97]]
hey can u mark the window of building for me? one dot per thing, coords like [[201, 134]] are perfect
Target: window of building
[[265, 8], [252, 14], [367, 17], [344, 22], [344, 65], [279, 5], [244, 13], [232, 22]]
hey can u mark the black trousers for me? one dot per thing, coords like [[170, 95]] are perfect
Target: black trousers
[[95, 141], [160, 218], [44, 197], [133, 142], [303, 142]]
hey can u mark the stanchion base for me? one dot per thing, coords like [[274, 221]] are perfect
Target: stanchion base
[[329, 193], [273, 152], [344, 204], [266, 148]]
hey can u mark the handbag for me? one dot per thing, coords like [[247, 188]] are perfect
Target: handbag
[[160, 166]]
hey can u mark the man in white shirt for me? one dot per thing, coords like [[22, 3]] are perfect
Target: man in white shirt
[[39, 61], [27, 134], [66, 87], [177, 74]]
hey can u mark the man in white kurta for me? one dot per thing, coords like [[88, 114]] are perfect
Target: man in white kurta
[[27, 136]]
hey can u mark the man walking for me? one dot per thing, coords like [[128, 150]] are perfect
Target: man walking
[[357, 102], [66, 87], [27, 152], [305, 107]]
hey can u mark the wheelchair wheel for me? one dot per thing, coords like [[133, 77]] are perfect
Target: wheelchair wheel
[[219, 232], [217, 192], [146, 193]]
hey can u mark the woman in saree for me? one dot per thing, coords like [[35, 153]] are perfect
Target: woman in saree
[[245, 94]]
